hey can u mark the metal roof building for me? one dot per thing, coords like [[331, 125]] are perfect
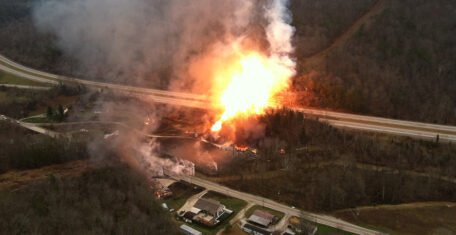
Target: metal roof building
[[261, 218], [189, 230], [255, 230]]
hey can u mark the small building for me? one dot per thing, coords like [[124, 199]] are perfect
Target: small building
[[189, 230], [288, 232], [209, 206], [248, 228], [262, 218]]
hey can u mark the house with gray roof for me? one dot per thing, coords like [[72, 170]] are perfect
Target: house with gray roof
[[208, 206], [262, 218]]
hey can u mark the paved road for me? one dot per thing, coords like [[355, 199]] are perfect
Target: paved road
[[342, 120], [32, 127], [321, 219], [419, 130], [26, 75], [10, 66], [26, 87]]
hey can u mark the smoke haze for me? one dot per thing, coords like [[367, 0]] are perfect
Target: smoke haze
[[165, 44], [140, 41]]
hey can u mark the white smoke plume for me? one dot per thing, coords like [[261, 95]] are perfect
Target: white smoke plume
[[163, 43], [279, 33], [145, 42], [153, 165]]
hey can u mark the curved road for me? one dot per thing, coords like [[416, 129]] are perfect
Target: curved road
[[342, 120], [25, 87], [411, 129], [317, 218], [10, 66]]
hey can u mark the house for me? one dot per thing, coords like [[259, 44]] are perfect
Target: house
[[262, 218], [248, 228], [208, 206], [189, 230]]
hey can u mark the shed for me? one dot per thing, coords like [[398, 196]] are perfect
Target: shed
[[255, 230], [262, 218], [189, 230]]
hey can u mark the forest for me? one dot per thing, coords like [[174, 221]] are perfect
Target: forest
[[400, 63], [108, 200], [360, 168]]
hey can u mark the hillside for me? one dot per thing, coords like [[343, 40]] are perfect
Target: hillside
[[399, 64], [110, 200]]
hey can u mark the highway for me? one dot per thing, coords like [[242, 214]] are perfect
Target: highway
[[341, 120], [317, 218], [12, 67], [411, 129], [44, 88]]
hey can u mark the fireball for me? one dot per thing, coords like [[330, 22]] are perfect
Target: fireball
[[252, 82]]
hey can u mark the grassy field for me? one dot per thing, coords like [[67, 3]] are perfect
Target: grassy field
[[413, 218], [181, 192], [234, 230], [250, 211], [6, 78], [27, 72], [37, 120], [15, 179], [322, 229]]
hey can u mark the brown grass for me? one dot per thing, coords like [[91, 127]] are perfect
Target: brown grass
[[15, 179], [412, 218]]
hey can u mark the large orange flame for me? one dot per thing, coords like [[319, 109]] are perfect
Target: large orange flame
[[252, 83]]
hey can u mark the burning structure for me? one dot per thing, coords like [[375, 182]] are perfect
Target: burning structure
[[253, 79], [235, 52]]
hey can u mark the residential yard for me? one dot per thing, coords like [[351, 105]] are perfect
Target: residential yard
[[230, 203], [234, 230], [322, 229], [250, 211], [413, 218], [233, 204], [181, 192], [6, 78]]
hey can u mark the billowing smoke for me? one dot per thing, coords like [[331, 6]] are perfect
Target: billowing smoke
[[145, 42], [155, 165], [279, 33], [165, 44]]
